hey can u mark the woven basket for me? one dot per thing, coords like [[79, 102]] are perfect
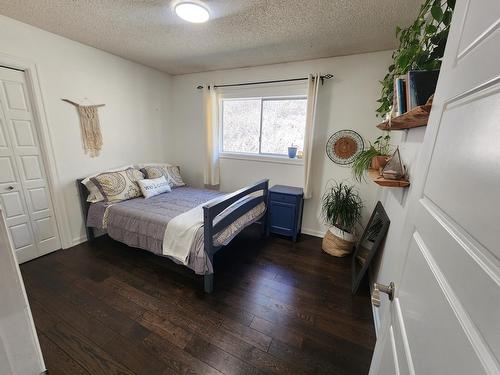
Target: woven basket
[[337, 242]]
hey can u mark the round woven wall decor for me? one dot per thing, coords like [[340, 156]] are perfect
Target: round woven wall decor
[[343, 146]]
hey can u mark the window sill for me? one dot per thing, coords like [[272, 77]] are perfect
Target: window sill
[[262, 158]]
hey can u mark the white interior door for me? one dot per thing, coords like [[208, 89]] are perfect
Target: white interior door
[[444, 318], [20, 352], [24, 191]]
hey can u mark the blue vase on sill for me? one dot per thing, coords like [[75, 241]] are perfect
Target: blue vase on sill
[[292, 152]]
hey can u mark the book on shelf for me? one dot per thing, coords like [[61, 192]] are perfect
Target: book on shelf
[[420, 85], [413, 89], [400, 93]]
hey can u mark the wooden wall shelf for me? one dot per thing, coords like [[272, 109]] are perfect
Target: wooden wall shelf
[[379, 180], [414, 118]]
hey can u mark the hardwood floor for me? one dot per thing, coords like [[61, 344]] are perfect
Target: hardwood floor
[[278, 307]]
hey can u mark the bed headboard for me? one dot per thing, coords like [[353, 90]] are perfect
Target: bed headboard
[[83, 194]]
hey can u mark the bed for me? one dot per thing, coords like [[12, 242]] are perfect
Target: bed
[[142, 223]]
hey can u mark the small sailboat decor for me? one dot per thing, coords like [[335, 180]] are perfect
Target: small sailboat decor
[[394, 169]]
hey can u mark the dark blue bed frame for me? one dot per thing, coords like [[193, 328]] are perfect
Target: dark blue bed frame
[[210, 213]]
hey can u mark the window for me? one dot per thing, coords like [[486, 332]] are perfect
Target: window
[[263, 126]]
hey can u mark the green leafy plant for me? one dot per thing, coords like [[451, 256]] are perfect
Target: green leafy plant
[[341, 206], [421, 47], [363, 161]]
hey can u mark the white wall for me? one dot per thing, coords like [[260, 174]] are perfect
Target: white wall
[[134, 122], [346, 102]]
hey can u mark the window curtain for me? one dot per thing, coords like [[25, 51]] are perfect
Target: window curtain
[[211, 172], [313, 82]]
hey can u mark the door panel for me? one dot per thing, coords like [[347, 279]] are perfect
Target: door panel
[[457, 255], [31, 167], [3, 139], [6, 170], [21, 236], [44, 229], [388, 361], [12, 205], [15, 94], [481, 21], [19, 349], [24, 191], [448, 290], [436, 335], [24, 133], [463, 173], [39, 199], [395, 355]]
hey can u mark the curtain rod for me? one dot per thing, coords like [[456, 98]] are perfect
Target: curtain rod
[[326, 76]]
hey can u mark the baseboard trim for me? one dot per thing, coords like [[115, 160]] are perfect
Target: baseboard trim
[[78, 240], [313, 232]]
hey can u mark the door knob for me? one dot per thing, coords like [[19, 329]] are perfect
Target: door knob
[[10, 187], [387, 289]]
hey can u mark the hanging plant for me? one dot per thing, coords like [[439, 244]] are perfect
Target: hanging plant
[[421, 47]]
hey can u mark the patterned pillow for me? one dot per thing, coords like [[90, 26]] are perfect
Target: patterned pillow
[[120, 185], [171, 173], [94, 193]]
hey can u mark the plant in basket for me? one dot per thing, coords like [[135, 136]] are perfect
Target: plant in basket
[[341, 210]]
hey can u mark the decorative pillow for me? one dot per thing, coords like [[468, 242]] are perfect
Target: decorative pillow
[[120, 185], [171, 173], [155, 186], [143, 165], [94, 193]]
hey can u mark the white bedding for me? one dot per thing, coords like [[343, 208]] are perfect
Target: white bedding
[[181, 231]]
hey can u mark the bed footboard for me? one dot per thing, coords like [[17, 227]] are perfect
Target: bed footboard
[[211, 210]]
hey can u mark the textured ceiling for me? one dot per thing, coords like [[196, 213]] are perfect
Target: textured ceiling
[[240, 33]]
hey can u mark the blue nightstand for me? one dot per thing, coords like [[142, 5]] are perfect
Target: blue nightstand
[[285, 210]]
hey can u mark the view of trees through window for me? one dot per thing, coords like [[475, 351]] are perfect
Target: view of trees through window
[[246, 130]]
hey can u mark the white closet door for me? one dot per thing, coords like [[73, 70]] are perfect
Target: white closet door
[[24, 191]]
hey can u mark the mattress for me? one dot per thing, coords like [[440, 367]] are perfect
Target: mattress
[[142, 222]]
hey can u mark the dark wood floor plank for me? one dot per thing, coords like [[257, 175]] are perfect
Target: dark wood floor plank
[[166, 329], [277, 332], [84, 351], [77, 346], [62, 309], [59, 362], [135, 356], [216, 334], [278, 307], [180, 361], [132, 310], [217, 358]]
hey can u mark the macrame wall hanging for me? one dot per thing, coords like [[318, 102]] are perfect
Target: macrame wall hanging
[[90, 127]]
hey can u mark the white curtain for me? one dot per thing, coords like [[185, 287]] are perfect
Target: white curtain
[[313, 82], [211, 173]]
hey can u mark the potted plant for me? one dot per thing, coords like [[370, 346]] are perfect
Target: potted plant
[[341, 210], [374, 157]]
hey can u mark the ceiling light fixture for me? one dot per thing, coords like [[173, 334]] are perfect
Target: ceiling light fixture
[[192, 12]]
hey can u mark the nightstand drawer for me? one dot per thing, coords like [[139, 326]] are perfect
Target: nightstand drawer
[[277, 197]]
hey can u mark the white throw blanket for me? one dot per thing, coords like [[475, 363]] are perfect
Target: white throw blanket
[[180, 233]]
